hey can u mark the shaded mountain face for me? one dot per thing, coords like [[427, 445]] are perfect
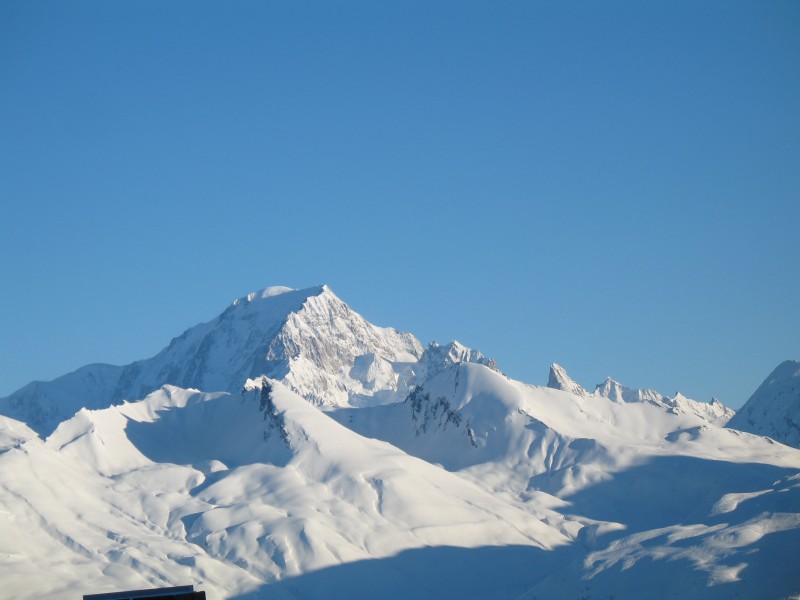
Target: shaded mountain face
[[774, 409]]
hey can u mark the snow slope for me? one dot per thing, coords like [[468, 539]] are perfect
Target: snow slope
[[230, 492], [260, 494], [774, 408], [528, 437], [739, 546], [653, 491]]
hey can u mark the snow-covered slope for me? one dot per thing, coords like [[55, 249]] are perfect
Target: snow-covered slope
[[731, 546], [715, 412], [309, 339], [774, 408], [539, 438], [328, 457], [13, 433], [262, 495], [643, 482], [231, 492]]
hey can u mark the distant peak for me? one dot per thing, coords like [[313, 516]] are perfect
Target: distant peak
[[454, 352], [616, 392], [452, 347], [560, 380], [609, 384], [280, 290], [437, 358], [774, 408], [788, 369]]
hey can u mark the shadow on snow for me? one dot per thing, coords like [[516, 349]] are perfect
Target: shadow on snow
[[677, 490], [497, 572]]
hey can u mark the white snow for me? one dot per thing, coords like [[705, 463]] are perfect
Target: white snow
[[774, 408], [328, 457], [308, 339], [560, 380], [715, 412], [121, 496]]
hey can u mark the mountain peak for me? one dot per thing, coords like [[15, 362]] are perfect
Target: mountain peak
[[281, 290], [560, 380], [616, 392], [440, 357], [774, 408], [330, 354], [715, 413], [308, 338]]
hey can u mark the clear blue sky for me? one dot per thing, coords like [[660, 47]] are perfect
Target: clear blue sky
[[612, 186]]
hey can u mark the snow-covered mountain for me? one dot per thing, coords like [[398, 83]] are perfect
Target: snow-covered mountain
[[559, 379], [774, 409], [328, 457], [714, 412], [309, 339], [235, 490], [525, 438]]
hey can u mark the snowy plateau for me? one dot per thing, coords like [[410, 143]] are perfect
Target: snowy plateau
[[290, 449]]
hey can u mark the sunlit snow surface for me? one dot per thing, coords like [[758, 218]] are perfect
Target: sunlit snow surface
[[470, 486], [233, 492]]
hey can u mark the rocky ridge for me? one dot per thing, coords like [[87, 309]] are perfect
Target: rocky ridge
[[714, 412]]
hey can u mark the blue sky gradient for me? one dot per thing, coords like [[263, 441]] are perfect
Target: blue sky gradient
[[611, 186]]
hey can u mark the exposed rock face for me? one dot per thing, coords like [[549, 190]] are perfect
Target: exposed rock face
[[560, 380], [438, 358], [330, 354]]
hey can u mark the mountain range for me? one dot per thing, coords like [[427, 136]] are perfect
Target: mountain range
[[290, 449]]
